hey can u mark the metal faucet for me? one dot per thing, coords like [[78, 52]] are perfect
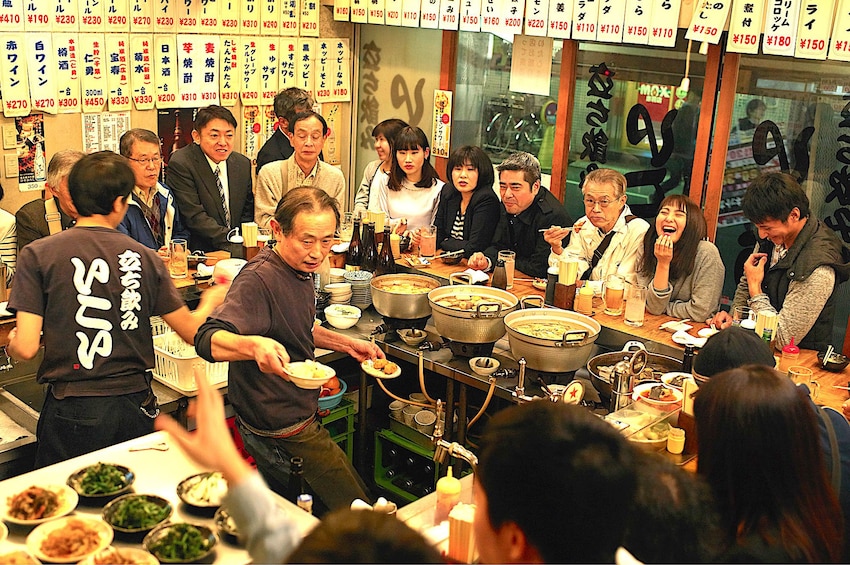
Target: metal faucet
[[443, 449], [519, 391]]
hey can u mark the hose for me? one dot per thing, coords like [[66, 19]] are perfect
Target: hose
[[405, 400], [422, 378], [486, 402]]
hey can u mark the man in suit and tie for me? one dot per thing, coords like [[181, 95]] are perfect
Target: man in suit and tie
[[212, 183]]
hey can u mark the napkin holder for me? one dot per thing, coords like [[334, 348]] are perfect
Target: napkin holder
[[565, 295]]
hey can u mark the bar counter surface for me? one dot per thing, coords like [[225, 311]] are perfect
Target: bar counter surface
[[159, 465]]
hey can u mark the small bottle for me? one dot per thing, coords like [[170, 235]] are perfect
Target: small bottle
[[688, 359], [551, 281], [354, 255], [790, 354], [584, 300], [448, 495], [386, 262], [305, 503], [370, 249], [500, 276], [676, 440], [296, 479]]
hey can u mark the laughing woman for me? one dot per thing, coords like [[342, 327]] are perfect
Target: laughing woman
[[469, 208], [684, 271]]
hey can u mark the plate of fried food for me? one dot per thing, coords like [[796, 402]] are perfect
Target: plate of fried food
[[381, 368], [38, 504], [69, 539]]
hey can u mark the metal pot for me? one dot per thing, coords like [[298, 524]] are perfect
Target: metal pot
[[402, 306], [482, 324], [552, 355], [661, 363]]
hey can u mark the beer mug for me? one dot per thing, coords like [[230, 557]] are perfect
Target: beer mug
[[613, 294]]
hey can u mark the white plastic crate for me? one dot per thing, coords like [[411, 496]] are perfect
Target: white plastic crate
[[174, 360], [158, 326]]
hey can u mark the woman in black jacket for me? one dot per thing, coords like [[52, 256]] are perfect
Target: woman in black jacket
[[469, 208]]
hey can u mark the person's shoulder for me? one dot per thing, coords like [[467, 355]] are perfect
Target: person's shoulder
[[237, 158], [185, 153], [331, 170], [31, 209]]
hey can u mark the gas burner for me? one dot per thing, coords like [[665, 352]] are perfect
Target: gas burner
[[461, 349], [390, 325]]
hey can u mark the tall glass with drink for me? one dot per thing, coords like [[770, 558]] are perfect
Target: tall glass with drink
[[613, 294], [636, 305], [178, 265], [428, 241], [346, 227], [509, 257]]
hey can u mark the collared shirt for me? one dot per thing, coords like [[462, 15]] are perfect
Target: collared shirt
[[621, 255], [298, 178], [222, 167]]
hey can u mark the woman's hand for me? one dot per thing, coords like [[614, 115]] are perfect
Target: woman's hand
[[664, 249], [401, 227]]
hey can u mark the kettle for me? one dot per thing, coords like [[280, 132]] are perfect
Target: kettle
[[623, 379]]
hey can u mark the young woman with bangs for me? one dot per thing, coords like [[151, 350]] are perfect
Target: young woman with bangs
[[682, 269], [759, 452], [469, 208], [377, 172]]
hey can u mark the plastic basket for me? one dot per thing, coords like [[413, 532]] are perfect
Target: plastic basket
[[158, 326], [174, 360]]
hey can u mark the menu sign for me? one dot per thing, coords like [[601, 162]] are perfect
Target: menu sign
[[780, 27]]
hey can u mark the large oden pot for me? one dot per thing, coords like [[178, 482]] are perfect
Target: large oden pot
[[562, 355], [656, 362], [402, 305], [481, 322]]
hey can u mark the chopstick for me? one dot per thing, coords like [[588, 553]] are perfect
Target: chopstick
[[550, 227], [827, 355], [448, 254], [841, 387]]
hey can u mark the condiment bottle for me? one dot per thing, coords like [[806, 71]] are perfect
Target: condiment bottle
[[676, 440], [448, 495], [551, 281], [354, 255], [500, 276], [688, 359], [584, 300], [790, 353]]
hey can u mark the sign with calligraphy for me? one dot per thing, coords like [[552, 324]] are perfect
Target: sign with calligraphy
[[813, 29], [441, 123], [198, 69], [42, 72], [708, 20], [229, 81], [310, 18], [610, 20], [512, 15], [288, 50], [637, 21], [586, 15], [249, 78], [839, 49], [665, 22], [410, 12], [536, 15], [449, 18], [359, 11], [93, 75], [208, 16], [37, 15], [91, 15], [228, 17], [376, 12], [165, 71], [268, 61], [392, 12], [531, 64], [333, 80], [290, 18], [11, 15], [141, 71], [67, 78], [745, 25], [491, 15], [249, 17], [560, 18], [118, 72], [164, 17], [780, 27], [141, 16], [116, 15], [342, 10], [270, 17], [429, 15], [470, 15], [304, 70]]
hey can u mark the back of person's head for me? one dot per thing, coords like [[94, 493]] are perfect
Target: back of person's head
[[760, 453], [303, 199], [209, 113], [410, 139], [729, 349], [522, 161], [61, 164], [674, 519], [773, 196], [563, 476], [389, 129], [306, 115], [130, 137], [475, 156], [606, 177], [97, 180], [361, 536], [290, 101]]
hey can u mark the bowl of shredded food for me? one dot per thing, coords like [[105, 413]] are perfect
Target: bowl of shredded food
[[69, 539], [135, 514], [38, 504], [182, 543], [102, 480], [203, 491], [123, 556]]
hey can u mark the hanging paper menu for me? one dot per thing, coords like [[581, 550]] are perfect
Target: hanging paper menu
[[228, 17], [813, 29], [13, 75], [560, 19], [429, 15], [249, 17], [342, 10], [270, 17], [67, 78], [304, 69], [665, 22], [392, 12], [470, 15], [290, 17], [116, 16], [250, 77], [512, 15], [93, 76], [288, 63], [332, 79], [188, 14], [141, 71], [164, 17], [708, 21], [141, 16], [91, 15], [269, 65], [11, 15], [531, 65], [376, 12], [117, 72], [165, 71], [208, 17], [586, 14], [42, 72], [359, 11], [839, 49], [198, 63], [536, 12], [610, 21], [37, 15], [638, 18], [310, 18], [449, 18], [745, 25], [410, 12], [229, 85], [780, 27]]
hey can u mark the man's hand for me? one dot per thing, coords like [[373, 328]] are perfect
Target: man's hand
[[664, 249], [270, 355], [721, 320], [754, 271], [554, 236], [477, 261], [362, 350]]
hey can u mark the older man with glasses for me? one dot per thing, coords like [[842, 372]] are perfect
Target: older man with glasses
[[152, 218], [607, 239]]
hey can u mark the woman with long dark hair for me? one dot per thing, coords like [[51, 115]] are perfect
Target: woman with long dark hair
[[469, 208], [682, 269], [760, 453], [413, 189]]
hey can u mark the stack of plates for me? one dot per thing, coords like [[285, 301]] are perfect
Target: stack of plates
[[361, 290], [337, 275]]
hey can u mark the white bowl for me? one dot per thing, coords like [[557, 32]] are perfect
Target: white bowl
[[644, 388], [313, 381], [337, 273], [667, 378], [341, 316], [412, 337], [338, 288], [484, 366]]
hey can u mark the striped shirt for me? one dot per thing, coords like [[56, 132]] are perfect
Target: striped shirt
[[457, 226]]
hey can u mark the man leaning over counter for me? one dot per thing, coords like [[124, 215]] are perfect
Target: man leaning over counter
[[527, 208], [607, 239], [265, 322]]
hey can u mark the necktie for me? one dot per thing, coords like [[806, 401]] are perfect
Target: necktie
[[220, 188]]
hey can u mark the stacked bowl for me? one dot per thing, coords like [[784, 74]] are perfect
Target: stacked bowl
[[340, 293], [361, 290], [337, 275]]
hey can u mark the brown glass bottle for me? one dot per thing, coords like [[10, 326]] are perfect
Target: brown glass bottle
[[370, 248], [500, 276], [354, 255], [386, 262]]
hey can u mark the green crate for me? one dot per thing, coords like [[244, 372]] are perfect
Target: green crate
[[340, 425], [384, 441]]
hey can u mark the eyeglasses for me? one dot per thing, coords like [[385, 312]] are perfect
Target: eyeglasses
[[149, 161], [603, 203]]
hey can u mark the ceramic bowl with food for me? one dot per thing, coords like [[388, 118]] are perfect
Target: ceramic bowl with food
[[19, 557], [182, 543], [102, 480], [203, 491], [330, 401], [484, 366], [657, 394], [226, 527], [134, 555], [676, 379], [652, 437], [308, 374], [836, 362], [69, 539], [37, 504], [342, 316], [412, 337], [136, 514]]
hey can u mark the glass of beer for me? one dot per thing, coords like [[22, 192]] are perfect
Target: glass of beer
[[509, 257], [428, 241], [178, 266], [613, 294]]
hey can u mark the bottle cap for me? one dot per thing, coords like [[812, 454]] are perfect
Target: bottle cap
[[791, 349], [748, 324], [448, 484], [586, 289]]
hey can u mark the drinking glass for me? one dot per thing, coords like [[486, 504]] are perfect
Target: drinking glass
[[804, 376], [428, 241], [613, 295], [741, 313], [636, 305], [346, 227], [178, 265], [509, 257]]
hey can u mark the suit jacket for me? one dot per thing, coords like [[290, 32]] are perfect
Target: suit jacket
[[32, 224], [193, 184], [276, 148]]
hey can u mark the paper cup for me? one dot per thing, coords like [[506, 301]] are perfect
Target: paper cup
[[424, 421], [396, 407], [408, 414]]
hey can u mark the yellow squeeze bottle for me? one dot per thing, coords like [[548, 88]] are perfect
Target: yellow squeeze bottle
[[448, 495]]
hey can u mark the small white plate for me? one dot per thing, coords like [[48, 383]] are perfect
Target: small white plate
[[40, 534], [707, 332], [674, 326], [378, 373], [115, 555], [684, 338], [68, 500], [667, 378]]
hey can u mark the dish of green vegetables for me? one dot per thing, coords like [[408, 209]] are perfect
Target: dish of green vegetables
[[101, 479], [136, 513], [181, 543]]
